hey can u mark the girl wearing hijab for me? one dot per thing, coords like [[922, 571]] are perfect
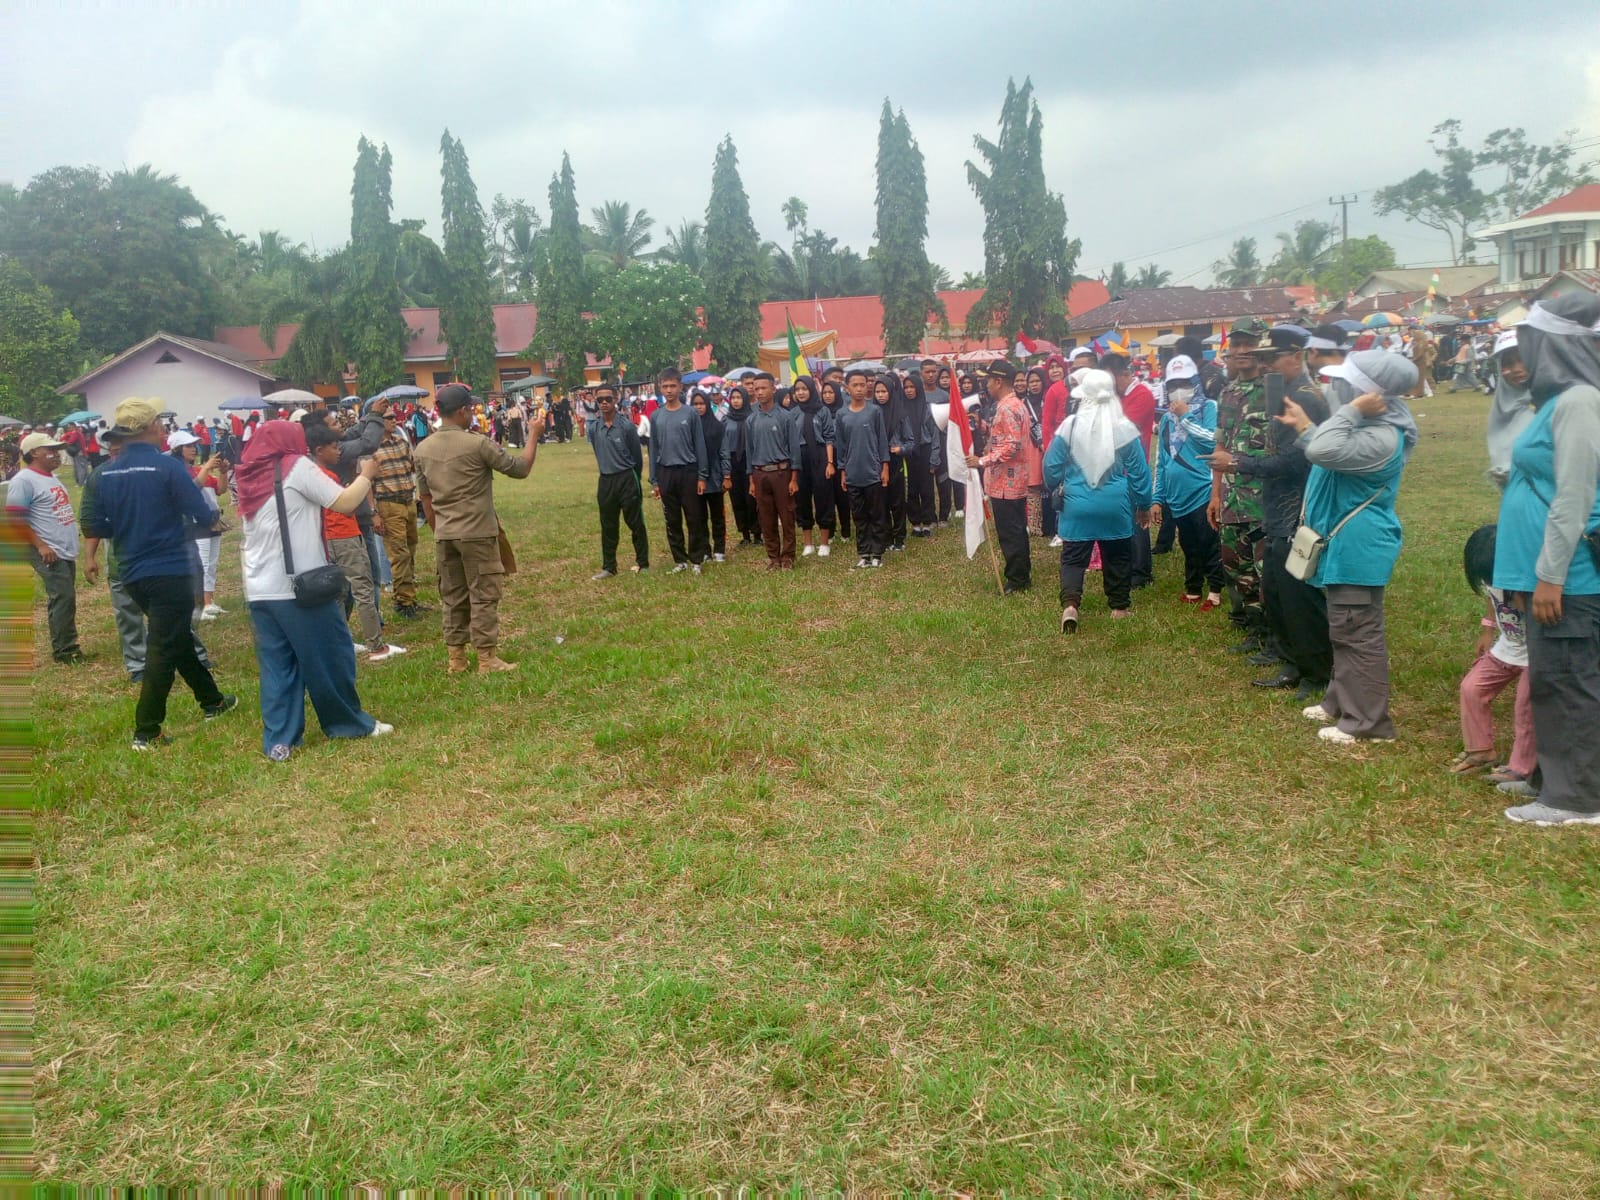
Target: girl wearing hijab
[[1547, 552], [1357, 456], [1097, 463], [814, 503], [887, 394], [1187, 433], [299, 650], [1033, 400], [835, 401], [717, 456], [921, 458], [744, 506], [1053, 411], [1512, 407]]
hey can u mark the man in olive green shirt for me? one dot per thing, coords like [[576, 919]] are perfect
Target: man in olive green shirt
[[455, 479]]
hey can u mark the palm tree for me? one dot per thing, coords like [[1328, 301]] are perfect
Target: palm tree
[[1301, 254], [1241, 269], [972, 279], [419, 266], [794, 215], [685, 245], [1117, 281], [620, 233], [1152, 276]]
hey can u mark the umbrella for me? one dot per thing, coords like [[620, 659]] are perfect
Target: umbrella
[[81, 416], [526, 382], [11, 423], [714, 380], [1165, 340], [1350, 326], [694, 377], [741, 372], [1214, 340], [1441, 320], [241, 403], [1381, 320], [168, 415], [910, 362], [290, 398], [400, 391], [980, 356], [868, 364]]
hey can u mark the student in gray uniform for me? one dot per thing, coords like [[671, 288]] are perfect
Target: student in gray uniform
[[814, 502], [721, 466], [864, 446], [679, 472], [621, 461]]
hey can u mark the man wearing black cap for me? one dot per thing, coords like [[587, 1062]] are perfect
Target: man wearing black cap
[[1295, 613], [1005, 474], [1235, 510], [455, 478]]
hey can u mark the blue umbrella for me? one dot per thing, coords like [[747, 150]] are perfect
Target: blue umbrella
[[78, 417], [1351, 326], [241, 403], [694, 377], [400, 391]]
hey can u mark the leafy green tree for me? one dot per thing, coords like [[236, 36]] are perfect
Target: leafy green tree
[[1348, 263], [317, 299], [1302, 255], [374, 332], [905, 276], [1531, 174], [1152, 276], [972, 279], [620, 233], [686, 246], [466, 310], [1028, 258], [647, 316], [516, 238], [39, 348], [734, 266], [1241, 269], [561, 339]]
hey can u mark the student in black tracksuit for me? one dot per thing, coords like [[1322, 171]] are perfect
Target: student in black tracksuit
[[618, 455], [891, 399], [814, 505], [864, 465], [921, 459], [833, 399], [744, 508], [721, 474], [679, 472]]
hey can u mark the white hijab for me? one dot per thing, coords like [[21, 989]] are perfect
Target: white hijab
[[1098, 430]]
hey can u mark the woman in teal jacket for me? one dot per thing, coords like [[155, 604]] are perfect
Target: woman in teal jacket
[[1356, 459], [1097, 462], [1547, 555]]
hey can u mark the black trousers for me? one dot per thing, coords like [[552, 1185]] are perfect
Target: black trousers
[[841, 504], [1169, 529], [1297, 616], [167, 601], [947, 490], [680, 498], [813, 503], [621, 499], [1011, 530], [895, 500], [1202, 552], [1049, 514], [920, 491], [1144, 569], [744, 504], [867, 508], [1116, 570], [717, 516]]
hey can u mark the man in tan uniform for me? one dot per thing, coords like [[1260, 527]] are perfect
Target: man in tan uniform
[[455, 478]]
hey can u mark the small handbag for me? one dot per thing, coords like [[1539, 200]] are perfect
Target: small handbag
[[1305, 550], [313, 588]]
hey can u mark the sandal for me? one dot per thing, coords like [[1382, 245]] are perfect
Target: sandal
[[1504, 775], [1470, 761]]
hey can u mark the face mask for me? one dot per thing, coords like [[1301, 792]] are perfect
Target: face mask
[[1180, 392]]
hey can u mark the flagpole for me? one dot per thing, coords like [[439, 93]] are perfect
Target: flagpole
[[994, 559]]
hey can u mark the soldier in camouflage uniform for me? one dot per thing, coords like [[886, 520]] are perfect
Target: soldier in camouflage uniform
[[1236, 511]]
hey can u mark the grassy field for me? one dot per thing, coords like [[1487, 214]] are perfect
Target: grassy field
[[830, 879]]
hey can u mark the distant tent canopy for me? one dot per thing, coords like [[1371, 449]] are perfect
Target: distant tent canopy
[[773, 356], [531, 381]]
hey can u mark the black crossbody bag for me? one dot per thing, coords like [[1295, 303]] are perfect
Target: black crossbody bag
[[312, 588]]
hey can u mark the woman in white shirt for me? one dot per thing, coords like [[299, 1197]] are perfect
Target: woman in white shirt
[[299, 650]]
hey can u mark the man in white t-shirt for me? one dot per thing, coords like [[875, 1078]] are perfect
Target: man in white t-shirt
[[41, 508]]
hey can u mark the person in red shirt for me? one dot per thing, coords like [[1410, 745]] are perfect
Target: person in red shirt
[[1139, 406], [347, 550]]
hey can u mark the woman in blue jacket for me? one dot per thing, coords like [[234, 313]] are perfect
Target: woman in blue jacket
[[1356, 458], [1188, 432], [1097, 462], [1547, 555]]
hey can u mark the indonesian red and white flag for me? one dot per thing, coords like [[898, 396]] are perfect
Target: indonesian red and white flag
[[1026, 347], [957, 445]]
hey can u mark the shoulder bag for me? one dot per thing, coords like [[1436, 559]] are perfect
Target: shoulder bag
[[312, 588], [1305, 549]]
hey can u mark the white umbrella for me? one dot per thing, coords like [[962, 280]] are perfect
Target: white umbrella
[[292, 398]]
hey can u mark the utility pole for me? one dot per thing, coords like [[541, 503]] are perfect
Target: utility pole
[[1344, 202]]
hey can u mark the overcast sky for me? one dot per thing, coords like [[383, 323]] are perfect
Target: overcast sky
[[1170, 129]]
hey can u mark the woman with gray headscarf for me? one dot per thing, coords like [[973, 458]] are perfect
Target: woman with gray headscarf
[[1356, 458], [1512, 407], [1547, 555]]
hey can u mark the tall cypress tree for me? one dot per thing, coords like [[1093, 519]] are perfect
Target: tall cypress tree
[[900, 255], [1028, 259], [376, 333], [466, 309], [735, 268], [562, 285]]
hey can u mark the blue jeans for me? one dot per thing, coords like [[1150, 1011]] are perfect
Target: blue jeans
[[382, 572], [301, 651]]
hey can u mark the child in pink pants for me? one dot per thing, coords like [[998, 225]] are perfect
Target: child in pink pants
[[1501, 659]]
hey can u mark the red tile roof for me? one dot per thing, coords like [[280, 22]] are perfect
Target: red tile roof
[[1187, 305], [1579, 199]]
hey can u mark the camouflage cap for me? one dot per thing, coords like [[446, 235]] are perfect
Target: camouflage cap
[[1251, 327]]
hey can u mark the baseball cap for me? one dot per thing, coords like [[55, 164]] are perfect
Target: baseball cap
[[1181, 366], [1251, 327], [39, 441], [452, 397], [181, 438], [1505, 340], [1328, 337], [1003, 368], [1080, 352], [134, 415]]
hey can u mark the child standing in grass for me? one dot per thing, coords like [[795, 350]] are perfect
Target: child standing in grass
[[1500, 658]]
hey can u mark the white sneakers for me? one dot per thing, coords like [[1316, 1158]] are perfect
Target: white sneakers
[[1332, 733], [1055, 542], [1317, 713], [212, 611], [390, 650], [379, 729], [823, 551], [808, 551]]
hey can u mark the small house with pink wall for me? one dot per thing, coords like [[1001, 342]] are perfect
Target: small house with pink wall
[[187, 376]]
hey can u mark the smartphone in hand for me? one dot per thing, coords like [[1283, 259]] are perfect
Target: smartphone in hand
[[1276, 390]]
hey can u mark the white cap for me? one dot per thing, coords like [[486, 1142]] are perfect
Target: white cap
[[1505, 340], [1181, 366], [181, 437], [1079, 352]]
